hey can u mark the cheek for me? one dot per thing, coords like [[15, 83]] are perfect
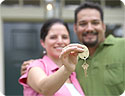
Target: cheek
[[100, 36], [67, 42], [50, 43], [80, 31]]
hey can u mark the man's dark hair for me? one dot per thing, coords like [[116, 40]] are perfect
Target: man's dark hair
[[89, 5]]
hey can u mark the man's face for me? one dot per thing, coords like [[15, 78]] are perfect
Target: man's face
[[89, 27]]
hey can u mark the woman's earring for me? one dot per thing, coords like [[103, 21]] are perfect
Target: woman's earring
[[44, 52]]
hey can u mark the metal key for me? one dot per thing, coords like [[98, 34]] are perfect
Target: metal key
[[85, 67]]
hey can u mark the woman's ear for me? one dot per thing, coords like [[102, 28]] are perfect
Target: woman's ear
[[42, 43]]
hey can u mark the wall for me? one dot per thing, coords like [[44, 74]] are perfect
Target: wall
[[1, 57]]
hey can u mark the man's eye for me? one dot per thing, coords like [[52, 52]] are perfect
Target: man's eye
[[82, 24], [95, 23]]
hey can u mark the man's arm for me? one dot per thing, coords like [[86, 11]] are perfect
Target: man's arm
[[24, 66]]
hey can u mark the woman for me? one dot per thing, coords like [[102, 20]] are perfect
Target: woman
[[48, 76]]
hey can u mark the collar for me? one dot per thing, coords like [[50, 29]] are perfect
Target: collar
[[52, 66], [110, 40]]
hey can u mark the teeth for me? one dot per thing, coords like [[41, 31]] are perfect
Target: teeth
[[59, 47]]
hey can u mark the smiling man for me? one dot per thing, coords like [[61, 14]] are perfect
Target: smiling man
[[106, 71]]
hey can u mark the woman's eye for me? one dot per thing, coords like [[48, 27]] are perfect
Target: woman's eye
[[53, 37]]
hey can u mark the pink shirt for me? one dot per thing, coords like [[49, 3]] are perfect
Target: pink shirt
[[49, 67]]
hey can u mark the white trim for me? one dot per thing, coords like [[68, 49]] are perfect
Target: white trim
[[1, 57]]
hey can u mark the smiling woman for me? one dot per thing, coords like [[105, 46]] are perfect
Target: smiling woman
[[36, 80], [56, 39]]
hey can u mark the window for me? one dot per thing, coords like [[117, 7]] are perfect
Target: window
[[23, 2], [10, 2], [32, 2], [72, 2], [112, 3], [95, 1], [115, 29]]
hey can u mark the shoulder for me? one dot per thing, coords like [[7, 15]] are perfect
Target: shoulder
[[122, 39], [116, 40], [38, 63], [35, 63], [120, 42]]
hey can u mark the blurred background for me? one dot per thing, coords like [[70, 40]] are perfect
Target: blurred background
[[20, 23]]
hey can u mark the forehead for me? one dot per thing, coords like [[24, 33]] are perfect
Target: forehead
[[88, 14], [58, 28]]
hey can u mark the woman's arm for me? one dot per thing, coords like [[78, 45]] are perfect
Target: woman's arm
[[49, 85]]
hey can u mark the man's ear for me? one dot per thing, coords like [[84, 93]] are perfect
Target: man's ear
[[104, 27], [42, 43], [75, 28]]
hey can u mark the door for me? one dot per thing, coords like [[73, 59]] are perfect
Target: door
[[21, 42]]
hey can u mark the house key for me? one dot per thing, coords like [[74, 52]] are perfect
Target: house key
[[85, 67], [84, 55]]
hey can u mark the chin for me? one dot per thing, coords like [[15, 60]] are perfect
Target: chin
[[57, 55], [91, 43]]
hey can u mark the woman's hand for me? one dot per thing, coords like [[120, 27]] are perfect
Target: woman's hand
[[69, 56]]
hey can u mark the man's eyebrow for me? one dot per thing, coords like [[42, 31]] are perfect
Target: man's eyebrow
[[96, 20], [82, 21]]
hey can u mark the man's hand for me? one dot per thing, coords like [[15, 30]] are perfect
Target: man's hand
[[24, 66]]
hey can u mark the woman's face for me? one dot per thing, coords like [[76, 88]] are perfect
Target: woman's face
[[56, 39]]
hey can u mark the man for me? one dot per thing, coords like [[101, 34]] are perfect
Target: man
[[105, 75], [106, 71]]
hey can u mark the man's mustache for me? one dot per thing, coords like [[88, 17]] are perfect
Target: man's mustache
[[93, 32]]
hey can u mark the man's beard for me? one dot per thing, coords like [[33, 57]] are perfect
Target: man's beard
[[90, 44]]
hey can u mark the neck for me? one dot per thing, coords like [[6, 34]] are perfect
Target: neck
[[92, 50], [56, 60]]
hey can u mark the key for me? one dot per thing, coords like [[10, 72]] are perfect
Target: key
[[85, 67], [84, 55]]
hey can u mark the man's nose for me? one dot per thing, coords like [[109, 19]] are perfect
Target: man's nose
[[89, 27]]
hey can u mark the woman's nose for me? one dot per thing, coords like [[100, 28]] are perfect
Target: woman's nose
[[60, 40]]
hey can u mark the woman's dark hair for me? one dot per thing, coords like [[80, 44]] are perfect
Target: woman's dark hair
[[48, 24], [89, 5]]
